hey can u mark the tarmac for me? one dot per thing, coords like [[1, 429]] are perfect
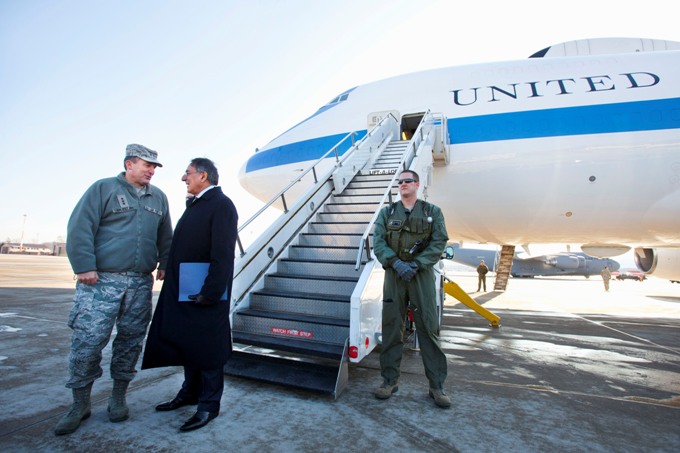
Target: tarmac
[[571, 369]]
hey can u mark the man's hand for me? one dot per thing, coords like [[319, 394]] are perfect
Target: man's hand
[[160, 274], [88, 278], [405, 270], [199, 299]]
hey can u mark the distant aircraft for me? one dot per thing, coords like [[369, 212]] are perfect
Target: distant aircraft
[[578, 144], [564, 263]]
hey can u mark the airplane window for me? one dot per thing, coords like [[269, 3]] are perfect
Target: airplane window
[[340, 98]]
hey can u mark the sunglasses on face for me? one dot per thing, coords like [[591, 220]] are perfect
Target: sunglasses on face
[[405, 181]]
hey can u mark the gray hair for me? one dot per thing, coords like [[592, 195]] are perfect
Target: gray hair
[[127, 158], [202, 164]]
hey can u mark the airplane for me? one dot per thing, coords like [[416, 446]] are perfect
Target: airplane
[[557, 264], [580, 144]]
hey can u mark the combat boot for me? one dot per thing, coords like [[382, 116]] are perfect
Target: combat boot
[[118, 409], [385, 391], [80, 410], [440, 398]]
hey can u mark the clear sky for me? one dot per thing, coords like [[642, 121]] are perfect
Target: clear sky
[[81, 79]]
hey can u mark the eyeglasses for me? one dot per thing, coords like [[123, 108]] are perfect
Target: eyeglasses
[[187, 173], [405, 181]]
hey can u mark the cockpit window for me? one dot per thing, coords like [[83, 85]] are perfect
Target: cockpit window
[[333, 103], [338, 99]]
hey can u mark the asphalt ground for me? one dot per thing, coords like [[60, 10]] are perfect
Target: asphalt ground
[[571, 369]]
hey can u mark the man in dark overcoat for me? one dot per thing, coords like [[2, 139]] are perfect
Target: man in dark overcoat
[[196, 333]]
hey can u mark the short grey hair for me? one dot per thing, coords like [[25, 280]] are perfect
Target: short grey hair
[[127, 158], [202, 164]]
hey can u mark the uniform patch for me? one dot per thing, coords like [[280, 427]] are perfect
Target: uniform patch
[[122, 201], [155, 211], [395, 223]]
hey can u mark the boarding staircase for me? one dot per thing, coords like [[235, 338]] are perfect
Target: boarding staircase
[[304, 307], [307, 294], [503, 267]]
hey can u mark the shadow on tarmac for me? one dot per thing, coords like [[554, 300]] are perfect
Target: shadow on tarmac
[[571, 369]]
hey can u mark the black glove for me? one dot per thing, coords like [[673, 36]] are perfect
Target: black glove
[[405, 270], [200, 299]]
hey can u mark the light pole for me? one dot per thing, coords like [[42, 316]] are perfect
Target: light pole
[[21, 242]]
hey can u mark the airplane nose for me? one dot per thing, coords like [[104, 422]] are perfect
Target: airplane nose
[[243, 176]]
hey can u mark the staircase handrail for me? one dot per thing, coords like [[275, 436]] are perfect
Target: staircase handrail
[[338, 162], [282, 194], [415, 141]]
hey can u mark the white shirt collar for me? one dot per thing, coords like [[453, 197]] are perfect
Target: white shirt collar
[[204, 191]]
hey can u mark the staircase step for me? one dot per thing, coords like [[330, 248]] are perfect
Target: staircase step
[[345, 216], [330, 253], [282, 302], [337, 227], [351, 207], [276, 370], [311, 283], [358, 198], [368, 184], [303, 318], [321, 268], [375, 192], [384, 179], [325, 240], [394, 159], [318, 349], [285, 326], [377, 186], [302, 295], [385, 164]]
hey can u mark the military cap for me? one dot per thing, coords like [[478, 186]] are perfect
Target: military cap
[[142, 152]]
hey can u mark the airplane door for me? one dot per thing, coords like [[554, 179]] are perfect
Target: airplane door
[[375, 117], [409, 124]]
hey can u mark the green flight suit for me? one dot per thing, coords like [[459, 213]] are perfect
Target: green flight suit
[[395, 233]]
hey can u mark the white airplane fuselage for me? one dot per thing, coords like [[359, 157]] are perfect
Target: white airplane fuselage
[[572, 149]]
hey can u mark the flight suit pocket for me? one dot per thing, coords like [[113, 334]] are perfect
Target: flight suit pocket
[[82, 303]]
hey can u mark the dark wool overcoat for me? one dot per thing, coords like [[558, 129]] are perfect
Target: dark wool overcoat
[[183, 333]]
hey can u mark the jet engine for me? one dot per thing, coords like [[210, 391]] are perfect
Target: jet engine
[[660, 262], [565, 262]]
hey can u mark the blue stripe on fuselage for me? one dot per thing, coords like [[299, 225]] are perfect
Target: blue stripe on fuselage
[[300, 151], [591, 119]]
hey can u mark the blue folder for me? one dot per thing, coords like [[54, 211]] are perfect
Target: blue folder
[[191, 278]]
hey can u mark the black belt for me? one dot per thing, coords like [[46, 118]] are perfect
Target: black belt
[[134, 274]]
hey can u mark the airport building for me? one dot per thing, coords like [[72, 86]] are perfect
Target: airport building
[[48, 248]]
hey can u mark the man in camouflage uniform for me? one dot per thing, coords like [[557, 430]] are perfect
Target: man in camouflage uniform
[[409, 238], [118, 234]]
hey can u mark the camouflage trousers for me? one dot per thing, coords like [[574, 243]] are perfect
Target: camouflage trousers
[[120, 299]]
